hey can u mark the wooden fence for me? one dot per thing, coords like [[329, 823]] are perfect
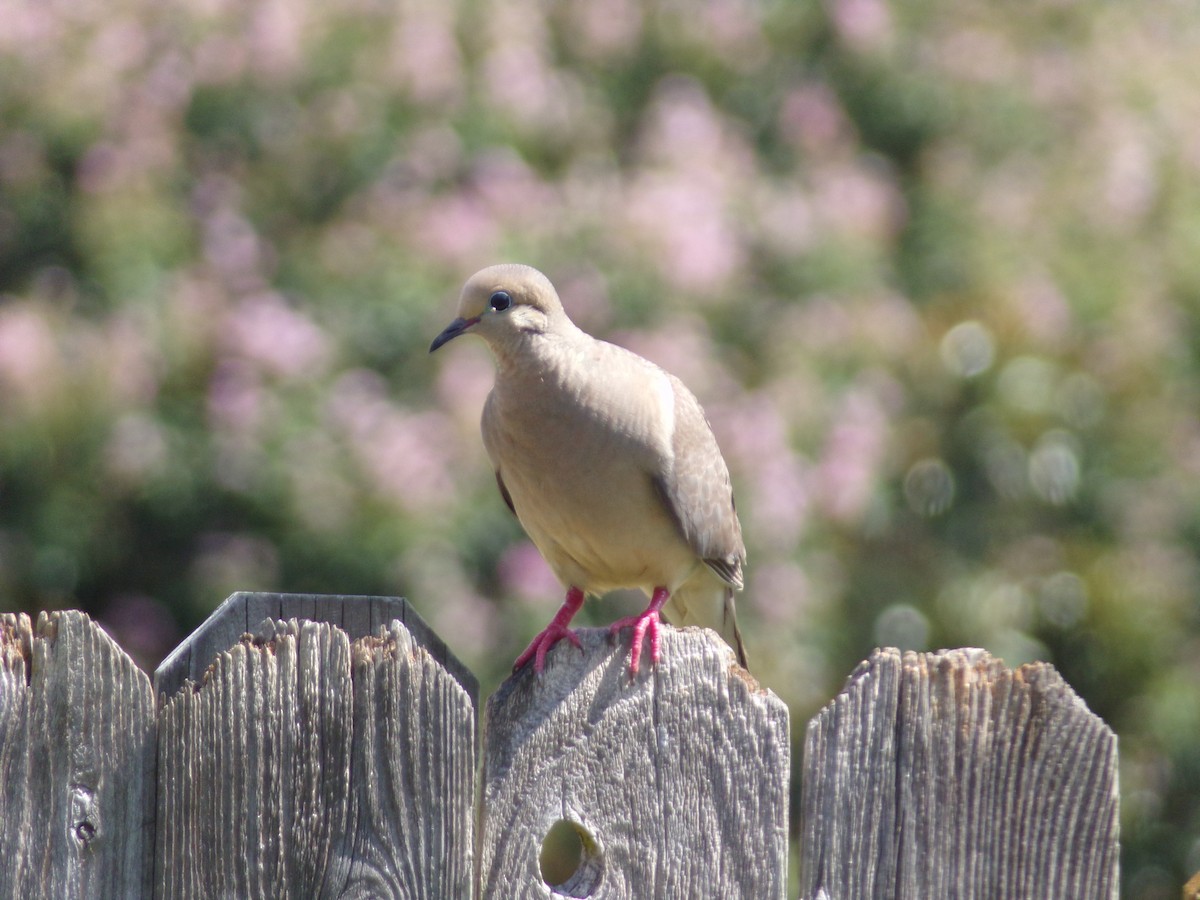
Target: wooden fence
[[306, 747]]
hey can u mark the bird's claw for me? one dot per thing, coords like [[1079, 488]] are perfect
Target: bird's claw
[[644, 625], [540, 646]]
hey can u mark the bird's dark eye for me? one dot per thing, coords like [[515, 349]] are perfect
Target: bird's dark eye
[[500, 300]]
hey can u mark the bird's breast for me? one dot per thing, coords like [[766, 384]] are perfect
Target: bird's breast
[[578, 456]]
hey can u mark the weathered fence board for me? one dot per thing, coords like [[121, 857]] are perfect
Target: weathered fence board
[[414, 774], [358, 617], [306, 766], [77, 762], [676, 782], [337, 759], [948, 775]]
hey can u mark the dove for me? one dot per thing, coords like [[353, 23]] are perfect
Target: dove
[[608, 463]]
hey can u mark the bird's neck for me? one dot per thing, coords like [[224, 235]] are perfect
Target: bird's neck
[[547, 356]]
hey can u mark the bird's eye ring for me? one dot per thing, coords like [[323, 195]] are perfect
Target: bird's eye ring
[[500, 301]]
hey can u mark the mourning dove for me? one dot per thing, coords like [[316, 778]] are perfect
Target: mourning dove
[[608, 463]]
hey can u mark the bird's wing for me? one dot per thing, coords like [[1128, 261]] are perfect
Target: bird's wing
[[696, 491], [487, 427], [504, 493]]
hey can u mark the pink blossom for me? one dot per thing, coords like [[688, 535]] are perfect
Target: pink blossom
[[30, 28], [605, 31], [122, 45], [30, 364], [860, 200], [518, 77], [431, 570], [220, 59], [524, 572], [465, 618], [751, 430], [458, 229], [585, 293], [684, 130], [785, 219], [862, 24], [849, 468], [684, 219], [265, 330], [778, 591], [1043, 310], [776, 502], [812, 118], [276, 37], [425, 58], [780, 501], [733, 29], [133, 363], [463, 383], [237, 399], [1130, 179], [236, 251], [408, 457], [512, 191]]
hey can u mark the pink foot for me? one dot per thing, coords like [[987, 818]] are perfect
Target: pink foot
[[553, 633], [645, 623]]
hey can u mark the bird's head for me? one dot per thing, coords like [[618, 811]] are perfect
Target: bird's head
[[502, 303]]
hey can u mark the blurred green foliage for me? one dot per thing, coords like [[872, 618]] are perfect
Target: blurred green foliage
[[934, 269]]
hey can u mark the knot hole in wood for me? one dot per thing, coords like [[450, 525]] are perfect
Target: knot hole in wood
[[571, 860]]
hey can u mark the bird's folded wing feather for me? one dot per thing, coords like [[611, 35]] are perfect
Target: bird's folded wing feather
[[696, 491], [504, 493]]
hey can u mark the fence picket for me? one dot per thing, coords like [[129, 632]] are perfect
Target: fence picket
[[77, 761], [674, 784], [306, 746], [949, 775]]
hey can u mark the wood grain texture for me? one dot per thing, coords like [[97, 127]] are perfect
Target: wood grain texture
[[77, 761], [413, 772], [305, 766], [948, 775], [243, 612], [678, 778]]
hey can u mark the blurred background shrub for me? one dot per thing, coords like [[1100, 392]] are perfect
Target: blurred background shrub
[[933, 267]]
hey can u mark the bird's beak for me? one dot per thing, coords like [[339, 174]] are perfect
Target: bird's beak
[[451, 331]]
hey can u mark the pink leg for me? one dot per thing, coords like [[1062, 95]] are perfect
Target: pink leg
[[553, 633], [644, 623]]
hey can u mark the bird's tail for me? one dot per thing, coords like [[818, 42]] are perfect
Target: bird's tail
[[709, 603]]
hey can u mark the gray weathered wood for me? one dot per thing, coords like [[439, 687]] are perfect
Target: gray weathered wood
[[948, 775], [679, 778], [358, 617], [303, 765], [76, 762]]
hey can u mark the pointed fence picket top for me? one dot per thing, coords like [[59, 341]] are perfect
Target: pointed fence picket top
[[949, 775], [303, 763], [358, 617]]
